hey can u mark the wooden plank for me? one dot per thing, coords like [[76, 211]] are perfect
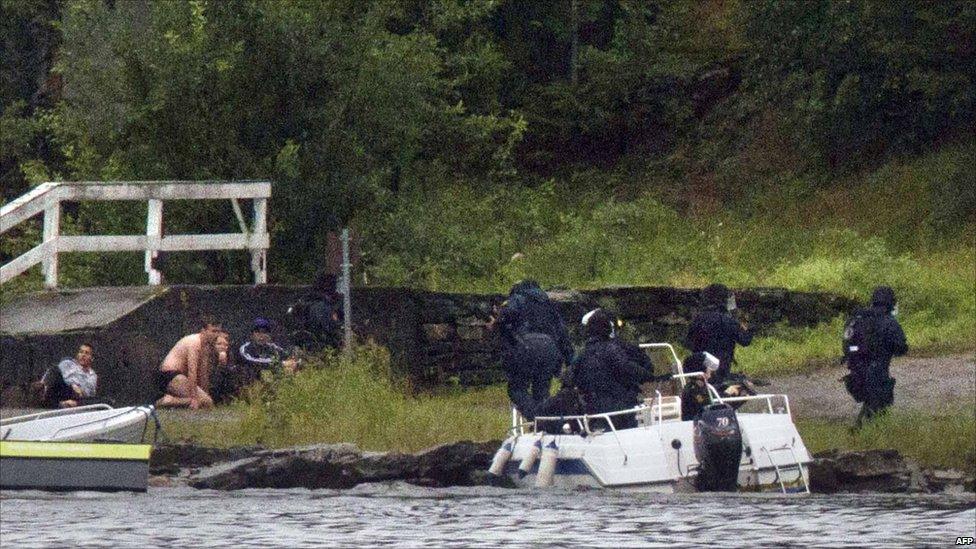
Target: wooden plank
[[201, 242], [168, 243], [102, 243], [154, 232], [25, 261], [26, 206], [259, 257], [52, 228], [166, 191]]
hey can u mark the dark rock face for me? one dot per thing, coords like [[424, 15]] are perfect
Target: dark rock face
[[453, 464], [341, 466], [170, 458], [328, 466], [882, 470]]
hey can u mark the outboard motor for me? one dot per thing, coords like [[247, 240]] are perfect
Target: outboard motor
[[718, 447]]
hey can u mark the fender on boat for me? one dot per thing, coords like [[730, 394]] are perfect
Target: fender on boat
[[501, 459], [547, 465], [529, 461]]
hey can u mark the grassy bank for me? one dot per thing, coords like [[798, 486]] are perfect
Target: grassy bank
[[933, 441], [898, 225], [354, 400]]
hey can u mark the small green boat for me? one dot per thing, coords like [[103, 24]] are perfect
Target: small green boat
[[63, 466]]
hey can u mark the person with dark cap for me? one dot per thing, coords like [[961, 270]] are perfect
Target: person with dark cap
[[871, 338], [260, 352], [607, 376], [531, 355], [714, 330]]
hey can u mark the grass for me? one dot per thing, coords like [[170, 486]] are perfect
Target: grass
[[339, 399], [942, 441]]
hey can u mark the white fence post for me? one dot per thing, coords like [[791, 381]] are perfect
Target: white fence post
[[259, 256], [52, 227], [154, 234]]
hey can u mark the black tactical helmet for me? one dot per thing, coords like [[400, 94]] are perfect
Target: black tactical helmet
[[598, 324], [883, 296], [523, 285]]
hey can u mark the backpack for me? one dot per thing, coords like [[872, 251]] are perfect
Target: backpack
[[857, 338]]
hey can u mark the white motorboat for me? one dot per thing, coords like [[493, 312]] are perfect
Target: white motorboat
[[93, 423], [753, 448]]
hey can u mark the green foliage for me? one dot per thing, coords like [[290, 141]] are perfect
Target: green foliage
[[859, 80], [353, 399]]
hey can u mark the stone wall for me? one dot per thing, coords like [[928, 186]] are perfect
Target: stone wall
[[434, 337]]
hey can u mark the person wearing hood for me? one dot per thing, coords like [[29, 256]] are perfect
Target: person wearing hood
[[535, 345], [871, 338], [607, 376], [715, 331]]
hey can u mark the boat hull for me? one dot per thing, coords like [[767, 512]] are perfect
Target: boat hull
[[123, 425], [64, 466], [660, 457]]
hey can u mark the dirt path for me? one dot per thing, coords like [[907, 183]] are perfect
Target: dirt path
[[938, 385]]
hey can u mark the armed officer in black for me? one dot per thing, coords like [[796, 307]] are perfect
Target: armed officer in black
[[535, 345], [715, 331], [871, 338], [608, 375]]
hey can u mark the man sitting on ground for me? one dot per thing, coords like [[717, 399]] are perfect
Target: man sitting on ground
[[73, 382], [184, 376]]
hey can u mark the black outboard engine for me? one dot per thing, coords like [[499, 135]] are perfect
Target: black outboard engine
[[718, 447]]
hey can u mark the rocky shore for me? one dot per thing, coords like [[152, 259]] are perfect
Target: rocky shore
[[340, 466]]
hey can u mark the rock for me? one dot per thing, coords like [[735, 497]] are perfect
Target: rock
[[869, 471], [161, 481], [170, 458], [453, 464], [434, 333], [950, 480], [381, 466], [323, 466]]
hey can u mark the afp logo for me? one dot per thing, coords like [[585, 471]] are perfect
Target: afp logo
[[965, 540]]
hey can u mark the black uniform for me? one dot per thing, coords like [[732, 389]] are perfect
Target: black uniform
[[528, 309], [535, 345], [716, 331], [608, 379], [870, 366]]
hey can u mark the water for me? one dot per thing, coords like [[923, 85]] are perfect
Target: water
[[402, 515]]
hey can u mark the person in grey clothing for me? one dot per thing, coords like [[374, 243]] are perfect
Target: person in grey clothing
[[73, 382]]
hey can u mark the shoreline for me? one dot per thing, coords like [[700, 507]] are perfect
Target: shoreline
[[465, 463]]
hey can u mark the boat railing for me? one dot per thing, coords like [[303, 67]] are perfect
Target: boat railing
[[675, 362], [102, 419], [783, 406], [55, 413]]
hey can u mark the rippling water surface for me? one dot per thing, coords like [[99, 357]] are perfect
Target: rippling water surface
[[402, 515]]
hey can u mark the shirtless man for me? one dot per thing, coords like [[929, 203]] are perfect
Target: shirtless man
[[184, 375]]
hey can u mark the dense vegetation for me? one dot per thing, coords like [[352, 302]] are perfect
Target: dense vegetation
[[814, 145]]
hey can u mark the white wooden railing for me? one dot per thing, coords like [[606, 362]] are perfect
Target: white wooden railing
[[47, 198]]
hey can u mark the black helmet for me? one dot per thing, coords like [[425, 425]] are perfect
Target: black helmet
[[716, 294], [883, 296], [522, 286], [598, 324]]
